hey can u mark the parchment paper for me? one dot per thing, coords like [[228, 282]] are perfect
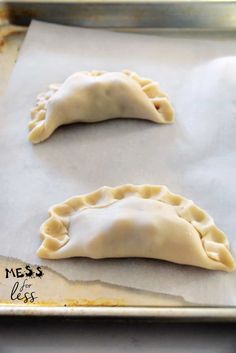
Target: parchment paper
[[194, 157]]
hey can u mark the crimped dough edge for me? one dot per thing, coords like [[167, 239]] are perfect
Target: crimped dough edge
[[54, 231], [151, 88]]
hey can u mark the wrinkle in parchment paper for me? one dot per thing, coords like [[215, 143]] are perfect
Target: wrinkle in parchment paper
[[194, 157]]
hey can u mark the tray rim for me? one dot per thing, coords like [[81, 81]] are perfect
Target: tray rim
[[158, 14], [194, 314]]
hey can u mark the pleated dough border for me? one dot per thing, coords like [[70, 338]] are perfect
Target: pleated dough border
[[54, 231]]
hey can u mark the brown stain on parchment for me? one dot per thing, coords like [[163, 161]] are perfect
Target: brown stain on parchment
[[4, 14], [96, 302], [7, 31], [72, 303]]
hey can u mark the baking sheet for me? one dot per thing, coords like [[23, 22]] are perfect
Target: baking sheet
[[195, 157]]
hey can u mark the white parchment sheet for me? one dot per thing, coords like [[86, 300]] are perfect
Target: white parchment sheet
[[195, 157]]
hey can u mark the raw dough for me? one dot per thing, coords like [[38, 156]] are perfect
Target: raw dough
[[135, 221], [95, 96]]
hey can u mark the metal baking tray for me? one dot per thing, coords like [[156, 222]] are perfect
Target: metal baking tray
[[97, 299], [127, 14]]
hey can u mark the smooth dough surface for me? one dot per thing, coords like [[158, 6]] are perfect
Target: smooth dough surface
[[95, 96], [135, 221]]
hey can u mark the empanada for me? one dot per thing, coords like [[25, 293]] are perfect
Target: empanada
[[96, 96], [135, 221]]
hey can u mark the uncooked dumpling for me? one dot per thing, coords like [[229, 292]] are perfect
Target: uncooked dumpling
[[135, 221], [96, 96]]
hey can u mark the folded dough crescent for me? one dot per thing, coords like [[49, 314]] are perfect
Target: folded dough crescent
[[96, 96], [135, 221]]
